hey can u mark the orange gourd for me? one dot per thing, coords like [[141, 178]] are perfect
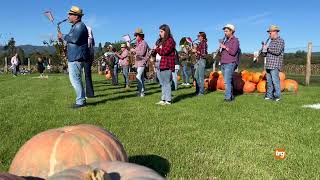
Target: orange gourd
[[261, 87]]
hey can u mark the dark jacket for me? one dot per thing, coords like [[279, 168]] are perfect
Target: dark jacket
[[77, 43]]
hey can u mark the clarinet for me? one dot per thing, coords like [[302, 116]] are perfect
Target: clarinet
[[261, 50], [219, 50]]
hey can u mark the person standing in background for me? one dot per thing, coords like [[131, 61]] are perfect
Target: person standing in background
[[88, 65], [200, 66], [124, 64], [14, 64]]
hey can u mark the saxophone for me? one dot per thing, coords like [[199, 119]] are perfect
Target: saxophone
[[61, 47]]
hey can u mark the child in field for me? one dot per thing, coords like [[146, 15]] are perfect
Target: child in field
[[41, 67]]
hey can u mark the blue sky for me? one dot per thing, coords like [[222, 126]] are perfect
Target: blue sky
[[298, 20]]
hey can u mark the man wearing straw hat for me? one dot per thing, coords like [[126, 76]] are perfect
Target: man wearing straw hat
[[78, 53], [274, 54]]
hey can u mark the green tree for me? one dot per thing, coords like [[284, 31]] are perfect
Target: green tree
[[10, 47]]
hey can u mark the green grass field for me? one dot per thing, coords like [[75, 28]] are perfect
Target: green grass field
[[194, 138]]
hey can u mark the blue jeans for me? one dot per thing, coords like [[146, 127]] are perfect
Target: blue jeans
[[75, 76], [199, 75], [185, 73], [140, 79], [158, 76], [165, 79], [125, 71], [175, 79], [14, 70], [227, 71], [273, 84], [115, 74]]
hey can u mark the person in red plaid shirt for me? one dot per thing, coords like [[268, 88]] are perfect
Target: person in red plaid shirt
[[166, 48], [274, 53], [201, 51]]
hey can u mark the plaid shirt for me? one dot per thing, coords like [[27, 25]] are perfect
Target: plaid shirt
[[168, 54], [202, 50], [275, 54]]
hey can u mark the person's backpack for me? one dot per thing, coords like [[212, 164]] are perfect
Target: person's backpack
[[177, 59]]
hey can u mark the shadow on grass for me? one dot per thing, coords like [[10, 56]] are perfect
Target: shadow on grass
[[183, 96], [119, 98], [155, 162]]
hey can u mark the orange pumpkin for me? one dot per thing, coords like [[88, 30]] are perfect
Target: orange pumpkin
[[206, 84], [282, 85], [55, 150], [220, 84], [291, 85], [256, 77], [108, 75], [264, 75], [250, 77], [282, 76], [7, 176], [237, 83], [108, 170], [132, 76], [245, 75], [249, 87], [214, 75], [178, 78], [261, 87]]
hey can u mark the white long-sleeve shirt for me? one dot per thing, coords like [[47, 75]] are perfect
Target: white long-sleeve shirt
[[14, 61]]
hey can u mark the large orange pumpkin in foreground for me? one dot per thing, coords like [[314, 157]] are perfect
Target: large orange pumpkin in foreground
[[291, 85], [108, 170], [261, 87], [249, 87], [55, 150]]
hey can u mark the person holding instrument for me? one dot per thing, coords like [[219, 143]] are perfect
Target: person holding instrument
[[274, 53], [77, 53], [230, 52], [140, 52], [201, 53], [166, 48]]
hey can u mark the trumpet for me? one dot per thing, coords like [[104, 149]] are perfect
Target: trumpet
[[214, 54], [256, 56]]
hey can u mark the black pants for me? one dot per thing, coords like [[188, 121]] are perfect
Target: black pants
[[88, 77]]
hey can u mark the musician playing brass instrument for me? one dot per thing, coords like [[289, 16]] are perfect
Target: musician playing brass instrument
[[77, 52]]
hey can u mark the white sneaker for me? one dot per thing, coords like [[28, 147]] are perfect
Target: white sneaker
[[266, 98], [278, 99], [167, 103], [142, 95], [160, 103], [187, 84]]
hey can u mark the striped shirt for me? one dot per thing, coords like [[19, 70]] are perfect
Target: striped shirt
[[275, 54]]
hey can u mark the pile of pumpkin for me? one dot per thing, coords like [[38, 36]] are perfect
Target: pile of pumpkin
[[248, 82], [83, 152]]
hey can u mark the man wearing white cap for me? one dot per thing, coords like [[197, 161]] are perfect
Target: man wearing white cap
[[230, 58], [274, 53]]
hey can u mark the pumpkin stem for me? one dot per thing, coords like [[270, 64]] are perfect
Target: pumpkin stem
[[98, 174]]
